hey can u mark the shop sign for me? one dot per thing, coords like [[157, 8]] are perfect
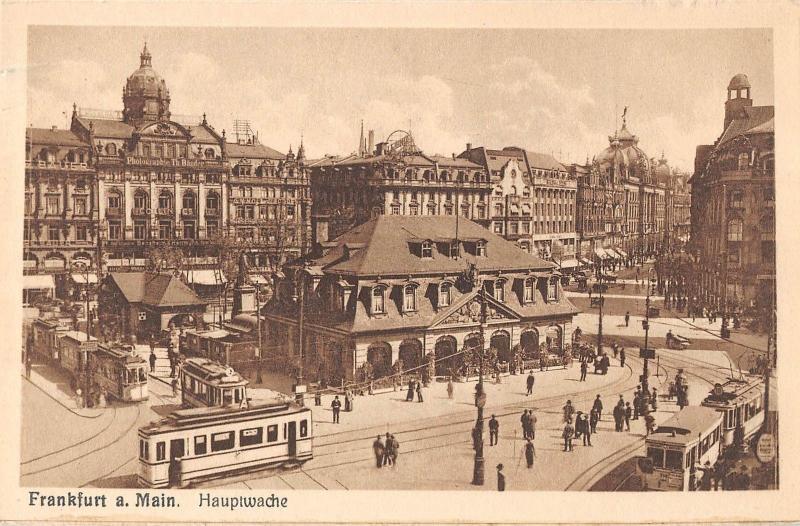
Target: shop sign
[[765, 448]]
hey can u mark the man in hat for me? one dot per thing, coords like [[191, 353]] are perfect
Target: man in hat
[[530, 381], [501, 479], [378, 448], [494, 430], [336, 406]]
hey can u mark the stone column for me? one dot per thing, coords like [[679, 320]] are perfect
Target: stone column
[[201, 210], [127, 223], [177, 202]]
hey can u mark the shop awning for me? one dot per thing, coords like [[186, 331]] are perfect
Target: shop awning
[[601, 253], [259, 279], [622, 253], [569, 263], [613, 253], [81, 278], [205, 277], [41, 281], [586, 261]]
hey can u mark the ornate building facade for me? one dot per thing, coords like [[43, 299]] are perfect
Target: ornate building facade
[[121, 184], [733, 209], [396, 179], [402, 287]]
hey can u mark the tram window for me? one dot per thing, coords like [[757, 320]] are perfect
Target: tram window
[[250, 437], [200, 445], [144, 449], [674, 460], [227, 398], [303, 428], [284, 431], [272, 433], [161, 451], [142, 375], [222, 441], [657, 455], [237, 395]]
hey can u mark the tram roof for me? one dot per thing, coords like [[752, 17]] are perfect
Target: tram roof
[[210, 416], [211, 370], [121, 352], [685, 425], [734, 391]]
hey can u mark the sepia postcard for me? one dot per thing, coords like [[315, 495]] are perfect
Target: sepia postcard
[[399, 262]]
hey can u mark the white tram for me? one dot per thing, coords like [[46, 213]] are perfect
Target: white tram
[[192, 445], [678, 446], [207, 384], [742, 404], [121, 372]]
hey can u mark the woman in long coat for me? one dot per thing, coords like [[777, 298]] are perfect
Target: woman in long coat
[[530, 453]]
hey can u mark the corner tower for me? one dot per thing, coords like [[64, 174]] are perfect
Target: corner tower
[[738, 98]]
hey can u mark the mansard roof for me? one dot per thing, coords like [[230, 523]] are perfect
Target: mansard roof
[[53, 137], [752, 119], [252, 151]]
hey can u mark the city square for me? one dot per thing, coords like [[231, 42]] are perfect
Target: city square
[[398, 311]]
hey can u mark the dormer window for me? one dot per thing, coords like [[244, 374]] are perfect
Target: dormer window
[[409, 298], [378, 299], [500, 290], [445, 290], [427, 249], [528, 290], [480, 249], [552, 289], [454, 249]]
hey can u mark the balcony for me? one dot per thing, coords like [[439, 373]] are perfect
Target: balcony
[[140, 212], [212, 212], [188, 212], [165, 212], [113, 212]]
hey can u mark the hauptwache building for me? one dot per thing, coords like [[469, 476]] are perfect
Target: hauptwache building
[[394, 288]]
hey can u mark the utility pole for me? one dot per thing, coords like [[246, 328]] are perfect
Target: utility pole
[[300, 326], [651, 283], [600, 317], [480, 400], [259, 349]]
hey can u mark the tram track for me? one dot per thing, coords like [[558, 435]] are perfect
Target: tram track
[[596, 471], [87, 454]]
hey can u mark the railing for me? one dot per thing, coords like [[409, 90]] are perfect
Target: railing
[[212, 212], [113, 212], [188, 212]]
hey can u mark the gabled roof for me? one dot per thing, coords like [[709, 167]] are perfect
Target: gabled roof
[[154, 289], [751, 119], [252, 151], [51, 137], [386, 251], [109, 128]]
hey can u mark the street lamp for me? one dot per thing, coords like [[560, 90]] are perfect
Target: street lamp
[[646, 325], [480, 400], [81, 268]]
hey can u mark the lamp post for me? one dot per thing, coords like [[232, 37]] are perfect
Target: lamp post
[[600, 317], [646, 323], [259, 349], [480, 400], [82, 269]]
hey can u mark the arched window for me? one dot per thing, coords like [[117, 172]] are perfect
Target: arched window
[[500, 290], [209, 153], [165, 199], [188, 199], [111, 149], [530, 285], [114, 200], [409, 298], [526, 191], [378, 297], [140, 199], [735, 230], [212, 201], [445, 290]]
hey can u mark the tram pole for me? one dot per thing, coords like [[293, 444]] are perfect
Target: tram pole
[[646, 323], [478, 470], [259, 349]]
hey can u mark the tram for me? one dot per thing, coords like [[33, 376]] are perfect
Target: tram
[[205, 383], [741, 402], [690, 438], [192, 445], [74, 350], [121, 372], [44, 338]]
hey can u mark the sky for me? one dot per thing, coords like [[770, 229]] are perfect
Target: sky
[[557, 91]]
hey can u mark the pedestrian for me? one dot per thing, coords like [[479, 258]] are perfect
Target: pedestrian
[[523, 420], [394, 450], [410, 393], [654, 400], [598, 406], [336, 405], [584, 370], [622, 357], [530, 453], [529, 382], [348, 401], [152, 360], [531, 425], [318, 396], [615, 349], [450, 388], [569, 410], [567, 435], [637, 399], [172, 363], [387, 451], [627, 318], [720, 470], [649, 423], [174, 387], [378, 449], [28, 366], [501, 479], [593, 419], [586, 429], [619, 417], [543, 363], [705, 482], [419, 392], [494, 430], [628, 412], [743, 479]]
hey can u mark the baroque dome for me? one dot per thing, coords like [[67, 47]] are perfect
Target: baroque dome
[[145, 80], [623, 158], [739, 81]]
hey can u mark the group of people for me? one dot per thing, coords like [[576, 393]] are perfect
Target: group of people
[[578, 424], [416, 387], [385, 450]]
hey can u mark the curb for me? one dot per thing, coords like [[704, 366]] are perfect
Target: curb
[[59, 402]]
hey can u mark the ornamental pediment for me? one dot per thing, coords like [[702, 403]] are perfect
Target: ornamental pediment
[[469, 313], [165, 129]]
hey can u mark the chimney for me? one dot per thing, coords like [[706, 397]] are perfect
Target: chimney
[[469, 146], [371, 146]]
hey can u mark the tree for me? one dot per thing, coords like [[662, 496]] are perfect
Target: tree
[[165, 257]]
